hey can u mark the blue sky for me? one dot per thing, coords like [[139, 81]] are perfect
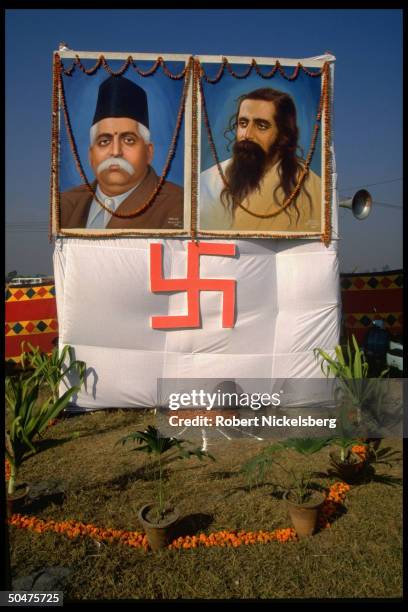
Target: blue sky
[[367, 44]]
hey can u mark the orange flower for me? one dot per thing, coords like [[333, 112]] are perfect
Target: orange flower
[[335, 496], [360, 450], [7, 469]]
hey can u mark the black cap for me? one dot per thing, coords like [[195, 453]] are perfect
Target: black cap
[[119, 97]]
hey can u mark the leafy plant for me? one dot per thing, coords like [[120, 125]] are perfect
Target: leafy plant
[[153, 443], [383, 456], [351, 372], [306, 446], [51, 369], [255, 469], [352, 466], [301, 485], [345, 445], [27, 420]]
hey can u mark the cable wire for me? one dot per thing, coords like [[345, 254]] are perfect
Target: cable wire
[[370, 184]]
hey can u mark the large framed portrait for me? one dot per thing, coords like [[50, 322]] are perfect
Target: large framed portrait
[[121, 126], [191, 146], [264, 154]]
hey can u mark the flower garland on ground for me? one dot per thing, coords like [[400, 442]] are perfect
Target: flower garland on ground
[[332, 505], [73, 529]]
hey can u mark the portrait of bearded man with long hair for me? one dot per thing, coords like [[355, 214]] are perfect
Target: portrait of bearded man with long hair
[[262, 188]]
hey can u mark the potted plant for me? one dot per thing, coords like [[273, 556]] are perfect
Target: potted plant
[[351, 372], [159, 518], [349, 461], [360, 462], [26, 420], [303, 496], [304, 499]]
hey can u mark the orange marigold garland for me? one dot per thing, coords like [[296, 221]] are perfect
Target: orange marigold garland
[[73, 529], [326, 238], [360, 450], [234, 538], [7, 469], [194, 152], [332, 504]]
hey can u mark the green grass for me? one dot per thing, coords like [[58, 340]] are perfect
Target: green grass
[[359, 556]]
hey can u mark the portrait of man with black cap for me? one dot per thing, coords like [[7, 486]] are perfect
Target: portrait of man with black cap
[[120, 154]]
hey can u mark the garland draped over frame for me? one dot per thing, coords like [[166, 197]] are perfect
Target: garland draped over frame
[[102, 62], [324, 108], [194, 67]]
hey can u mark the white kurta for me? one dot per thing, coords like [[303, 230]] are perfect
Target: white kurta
[[213, 215]]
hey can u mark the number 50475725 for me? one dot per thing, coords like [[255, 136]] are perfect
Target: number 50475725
[[27, 598]]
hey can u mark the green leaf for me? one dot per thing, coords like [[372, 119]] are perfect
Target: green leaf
[[306, 446], [51, 369], [28, 418], [151, 441], [155, 442], [51, 410]]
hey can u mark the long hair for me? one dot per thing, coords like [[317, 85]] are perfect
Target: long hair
[[285, 148]]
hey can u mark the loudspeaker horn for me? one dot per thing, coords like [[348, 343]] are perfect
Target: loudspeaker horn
[[360, 204]]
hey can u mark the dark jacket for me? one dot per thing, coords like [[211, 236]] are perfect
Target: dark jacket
[[165, 212]]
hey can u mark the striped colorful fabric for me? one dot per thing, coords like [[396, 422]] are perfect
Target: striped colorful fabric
[[37, 292], [368, 297], [372, 282], [31, 316]]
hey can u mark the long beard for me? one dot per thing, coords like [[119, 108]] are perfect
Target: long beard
[[245, 171]]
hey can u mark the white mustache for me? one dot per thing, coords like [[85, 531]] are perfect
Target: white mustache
[[115, 161]]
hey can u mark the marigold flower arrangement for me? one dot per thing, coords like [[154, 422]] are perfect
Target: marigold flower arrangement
[[74, 529], [361, 451], [332, 504]]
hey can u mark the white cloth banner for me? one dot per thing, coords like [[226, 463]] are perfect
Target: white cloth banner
[[287, 304]]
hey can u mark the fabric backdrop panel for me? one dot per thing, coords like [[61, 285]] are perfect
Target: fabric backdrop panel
[[287, 304], [253, 320], [117, 378], [107, 301]]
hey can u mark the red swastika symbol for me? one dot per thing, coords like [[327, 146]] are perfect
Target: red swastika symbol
[[193, 284]]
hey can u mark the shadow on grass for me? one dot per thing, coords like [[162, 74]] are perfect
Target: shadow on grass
[[341, 510], [186, 468], [365, 476], [192, 524], [248, 488], [146, 473], [66, 417], [222, 475], [122, 482], [86, 433], [37, 504], [45, 444]]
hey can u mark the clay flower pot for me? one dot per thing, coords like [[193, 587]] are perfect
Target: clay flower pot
[[349, 470], [159, 533], [16, 500], [304, 516]]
